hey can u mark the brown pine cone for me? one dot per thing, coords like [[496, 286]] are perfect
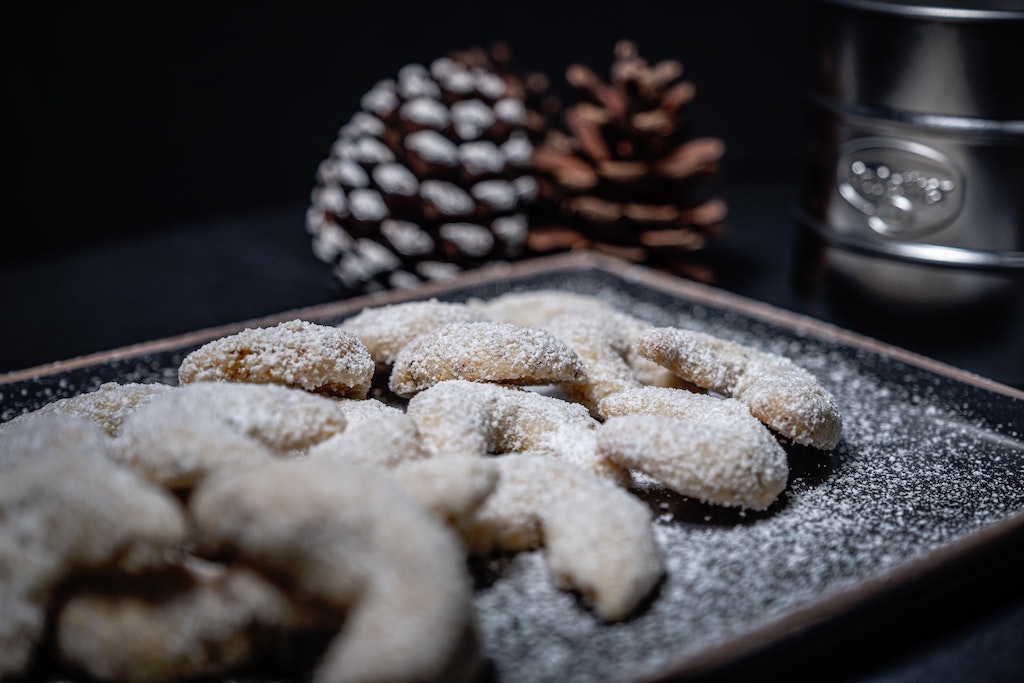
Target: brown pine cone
[[431, 177], [628, 178]]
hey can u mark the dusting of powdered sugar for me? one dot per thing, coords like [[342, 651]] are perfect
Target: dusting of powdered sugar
[[923, 461], [912, 473]]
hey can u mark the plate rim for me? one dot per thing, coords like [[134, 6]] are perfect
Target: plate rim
[[574, 260]]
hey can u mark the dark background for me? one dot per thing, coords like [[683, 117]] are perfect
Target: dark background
[[128, 119]]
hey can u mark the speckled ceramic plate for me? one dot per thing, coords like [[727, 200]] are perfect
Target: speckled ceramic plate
[[929, 470]]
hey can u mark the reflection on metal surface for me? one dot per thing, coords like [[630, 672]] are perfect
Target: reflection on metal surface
[[993, 10], [901, 187], [917, 252]]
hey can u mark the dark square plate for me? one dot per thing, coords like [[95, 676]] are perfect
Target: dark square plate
[[930, 470]]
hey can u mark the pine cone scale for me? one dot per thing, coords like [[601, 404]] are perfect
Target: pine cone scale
[[699, 155], [711, 213], [622, 171], [588, 135], [678, 96], [569, 171], [683, 239]]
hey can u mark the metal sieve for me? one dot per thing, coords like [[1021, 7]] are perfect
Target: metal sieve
[[915, 170]]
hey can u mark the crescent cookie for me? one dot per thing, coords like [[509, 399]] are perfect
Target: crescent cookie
[[453, 487], [781, 394], [296, 353], [602, 343], [66, 509], [182, 436], [701, 446], [180, 624], [598, 537], [350, 539], [470, 418], [503, 353], [41, 433], [386, 330], [540, 308], [537, 308], [108, 406], [385, 441], [365, 410]]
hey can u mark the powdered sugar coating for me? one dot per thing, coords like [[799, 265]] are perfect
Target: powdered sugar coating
[[181, 437], [598, 537], [296, 353], [176, 444], [42, 433], [65, 510], [603, 331], [386, 330], [679, 403], [484, 352], [734, 462], [602, 345], [352, 540], [460, 417], [108, 406], [357, 411], [536, 308], [384, 441], [453, 487], [181, 624], [786, 397], [282, 419]]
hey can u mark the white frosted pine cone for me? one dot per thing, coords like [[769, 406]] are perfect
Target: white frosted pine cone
[[431, 177]]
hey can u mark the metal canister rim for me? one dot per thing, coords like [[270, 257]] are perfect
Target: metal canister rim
[[936, 10], [921, 253]]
